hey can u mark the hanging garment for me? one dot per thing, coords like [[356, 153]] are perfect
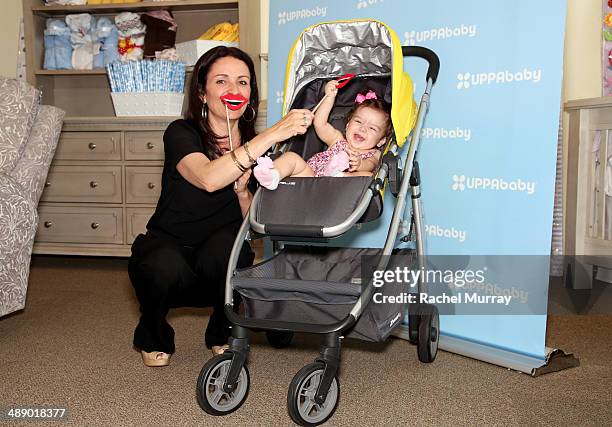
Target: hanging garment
[[607, 187]]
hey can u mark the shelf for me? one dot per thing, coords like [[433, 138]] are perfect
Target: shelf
[[577, 104], [70, 72], [97, 71], [181, 5]]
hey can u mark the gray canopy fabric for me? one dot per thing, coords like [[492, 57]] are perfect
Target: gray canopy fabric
[[363, 48]]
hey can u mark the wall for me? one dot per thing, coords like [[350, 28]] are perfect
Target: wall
[[12, 12], [582, 64], [582, 72]]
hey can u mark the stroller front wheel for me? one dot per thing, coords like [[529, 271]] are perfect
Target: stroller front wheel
[[303, 408], [209, 389]]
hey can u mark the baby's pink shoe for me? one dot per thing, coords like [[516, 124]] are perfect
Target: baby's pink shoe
[[265, 173], [337, 164]]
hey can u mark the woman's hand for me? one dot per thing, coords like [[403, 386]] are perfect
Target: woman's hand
[[296, 122], [331, 88], [241, 188], [354, 160]]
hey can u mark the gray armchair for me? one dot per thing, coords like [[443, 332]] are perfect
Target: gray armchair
[[28, 137]]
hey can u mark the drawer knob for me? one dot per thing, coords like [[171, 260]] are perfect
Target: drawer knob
[[93, 184], [150, 145], [151, 185], [48, 224], [94, 225], [47, 184], [92, 146]]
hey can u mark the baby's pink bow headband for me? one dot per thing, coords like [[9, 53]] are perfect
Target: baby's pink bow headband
[[361, 97]]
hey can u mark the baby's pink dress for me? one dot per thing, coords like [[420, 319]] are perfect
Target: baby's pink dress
[[318, 162]]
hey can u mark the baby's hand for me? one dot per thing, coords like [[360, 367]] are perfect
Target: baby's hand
[[331, 88], [354, 160]]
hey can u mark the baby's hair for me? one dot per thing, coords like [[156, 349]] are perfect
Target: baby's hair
[[377, 104]]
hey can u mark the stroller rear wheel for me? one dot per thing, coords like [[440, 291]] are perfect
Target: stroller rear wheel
[[303, 408], [429, 333], [209, 389], [279, 339]]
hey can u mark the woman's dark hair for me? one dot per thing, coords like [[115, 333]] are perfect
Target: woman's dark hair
[[198, 83], [377, 104]]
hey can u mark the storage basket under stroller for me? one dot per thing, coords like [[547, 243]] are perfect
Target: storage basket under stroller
[[320, 286]]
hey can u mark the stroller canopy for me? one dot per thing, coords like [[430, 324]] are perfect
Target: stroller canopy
[[360, 47]]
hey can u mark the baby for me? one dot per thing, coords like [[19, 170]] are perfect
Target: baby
[[367, 129]]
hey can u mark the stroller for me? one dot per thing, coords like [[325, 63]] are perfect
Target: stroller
[[308, 285]]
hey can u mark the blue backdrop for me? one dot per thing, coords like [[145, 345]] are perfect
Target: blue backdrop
[[488, 148]]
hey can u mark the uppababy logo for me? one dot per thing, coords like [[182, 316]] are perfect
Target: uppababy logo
[[467, 80], [294, 15], [279, 96], [441, 133], [462, 183], [395, 319], [362, 4], [448, 233], [413, 37]]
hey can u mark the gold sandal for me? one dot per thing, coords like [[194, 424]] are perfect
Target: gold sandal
[[155, 358], [219, 349]]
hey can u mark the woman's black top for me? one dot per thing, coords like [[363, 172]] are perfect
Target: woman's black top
[[185, 212]]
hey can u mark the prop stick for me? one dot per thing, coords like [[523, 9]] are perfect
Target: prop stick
[[234, 102], [342, 81], [229, 133]]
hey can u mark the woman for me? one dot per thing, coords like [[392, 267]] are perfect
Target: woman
[[182, 259]]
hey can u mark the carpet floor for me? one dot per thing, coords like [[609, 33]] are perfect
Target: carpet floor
[[71, 347]]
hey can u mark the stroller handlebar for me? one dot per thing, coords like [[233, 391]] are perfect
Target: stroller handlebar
[[428, 55]]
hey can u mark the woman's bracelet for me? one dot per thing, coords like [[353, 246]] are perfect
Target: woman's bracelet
[[239, 165], [248, 153]]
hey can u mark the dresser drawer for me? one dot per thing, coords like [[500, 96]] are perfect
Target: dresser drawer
[[136, 222], [89, 146], [144, 145], [143, 184], [79, 225], [83, 184]]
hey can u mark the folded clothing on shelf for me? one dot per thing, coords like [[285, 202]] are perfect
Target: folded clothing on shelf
[[84, 47], [161, 32], [131, 36], [58, 49], [107, 36]]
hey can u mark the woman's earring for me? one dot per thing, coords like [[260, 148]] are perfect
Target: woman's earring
[[205, 111], [252, 111]]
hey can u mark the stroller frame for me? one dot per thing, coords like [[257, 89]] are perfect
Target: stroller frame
[[329, 355]]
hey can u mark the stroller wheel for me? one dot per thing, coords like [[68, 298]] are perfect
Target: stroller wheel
[[279, 339], [303, 408], [209, 389], [429, 333], [414, 311]]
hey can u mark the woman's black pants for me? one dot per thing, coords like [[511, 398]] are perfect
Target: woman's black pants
[[166, 275]]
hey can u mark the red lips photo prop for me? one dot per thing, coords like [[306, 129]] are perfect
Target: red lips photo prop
[[343, 80], [234, 101]]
